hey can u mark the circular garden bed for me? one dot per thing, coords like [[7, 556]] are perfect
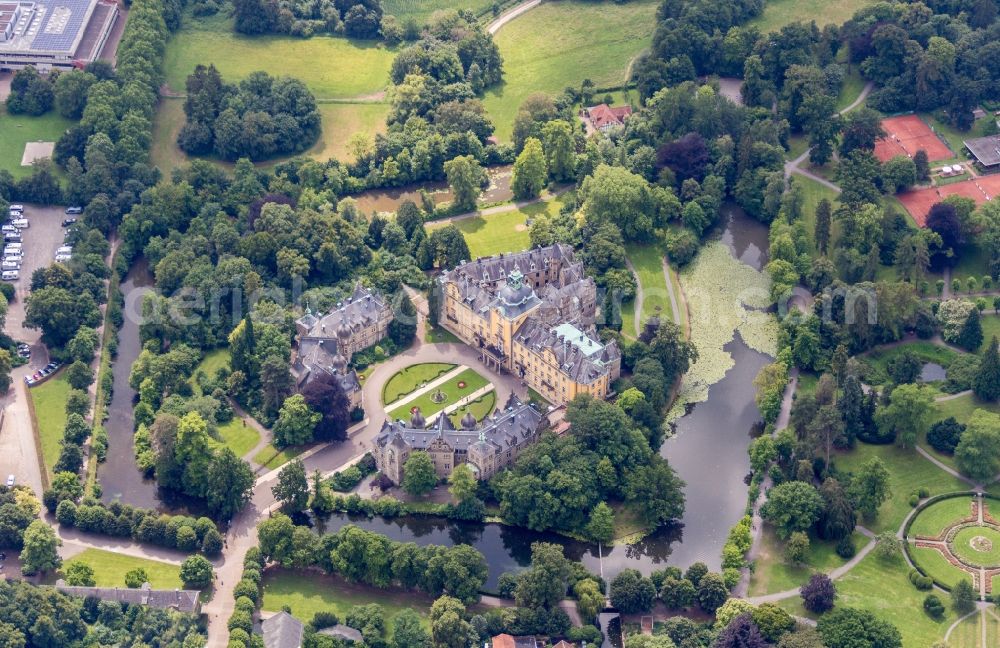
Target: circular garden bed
[[956, 537]]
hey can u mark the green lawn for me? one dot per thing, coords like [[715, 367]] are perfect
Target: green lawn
[[773, 574], [991, 328], [213, 361], [876, 362], [309, 593], [480, 408], [563, 42], [332, 67], [968, 633], [778, 13], [812, 193], [648, 263], [937, 566], [885, 590], [110, 569], [17, 130], [270, 457], [49, 400], [908, 471], [453, 393], [341, 121], [506, 231], [438, 335], [422, 10], [953, 136], [969, 546], [239, 437], [935, 518], [851, 89], [962, 407], [405, 381]]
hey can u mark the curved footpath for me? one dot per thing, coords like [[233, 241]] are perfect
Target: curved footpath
[[510, 15]]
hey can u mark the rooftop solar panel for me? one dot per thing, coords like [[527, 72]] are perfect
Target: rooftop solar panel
[[62, 22]]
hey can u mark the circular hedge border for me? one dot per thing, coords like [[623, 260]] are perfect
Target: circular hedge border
[[916, 513]]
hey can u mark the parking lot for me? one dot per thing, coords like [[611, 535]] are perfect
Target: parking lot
[[17, 445]]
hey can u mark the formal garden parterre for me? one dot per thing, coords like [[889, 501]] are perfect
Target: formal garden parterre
[[960, 529]]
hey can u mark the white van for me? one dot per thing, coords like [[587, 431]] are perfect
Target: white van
[[10, 264], [17, 208], [63, 258], [12, 246], [10, 275], [20, 223], [64, 249]]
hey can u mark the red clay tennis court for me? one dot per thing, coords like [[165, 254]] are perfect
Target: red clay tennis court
[[908, 134], [920, 201]]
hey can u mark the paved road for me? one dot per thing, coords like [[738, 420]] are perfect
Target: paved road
[[18, 455], [508, 16]]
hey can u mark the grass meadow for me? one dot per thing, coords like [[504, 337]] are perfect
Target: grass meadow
[[778, 13], [332, 67], [309, 593], [648, 263], [17, 130], [110, 569], [593, 40], [422, 10], [49, 400]]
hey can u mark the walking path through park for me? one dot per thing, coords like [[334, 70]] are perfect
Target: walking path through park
[[670, 292], [639, 300], [795, 166], [510, 15], [756, 521]]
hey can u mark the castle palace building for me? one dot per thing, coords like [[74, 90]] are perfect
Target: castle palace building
[[532, 314], [326, 343], [486, 447]]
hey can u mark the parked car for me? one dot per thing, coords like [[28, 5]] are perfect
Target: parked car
[[74, 210], [24, 353], [16, 208], [64, 249], [10, 481], [20, 223], [13, 255], [10, 264], [68, 221], [8, 227], [12, 237], [10, 275]]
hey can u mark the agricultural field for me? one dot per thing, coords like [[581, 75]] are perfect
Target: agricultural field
[[49, 402], [17, 130], [778, 13], [594, 40]]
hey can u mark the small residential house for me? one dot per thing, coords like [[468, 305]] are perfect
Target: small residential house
[[604, 118], [282, 631], [507, 641]]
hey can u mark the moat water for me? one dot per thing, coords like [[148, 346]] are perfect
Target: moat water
[[118, 475], [708, 450]]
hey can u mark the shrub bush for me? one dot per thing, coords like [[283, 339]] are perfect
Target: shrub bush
[[933, 606], [846, 548]]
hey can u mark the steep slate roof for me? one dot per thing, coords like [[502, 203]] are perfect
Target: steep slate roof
[[282, 631], [579, 355], [180, 600], [504, 429], [363, 308]]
